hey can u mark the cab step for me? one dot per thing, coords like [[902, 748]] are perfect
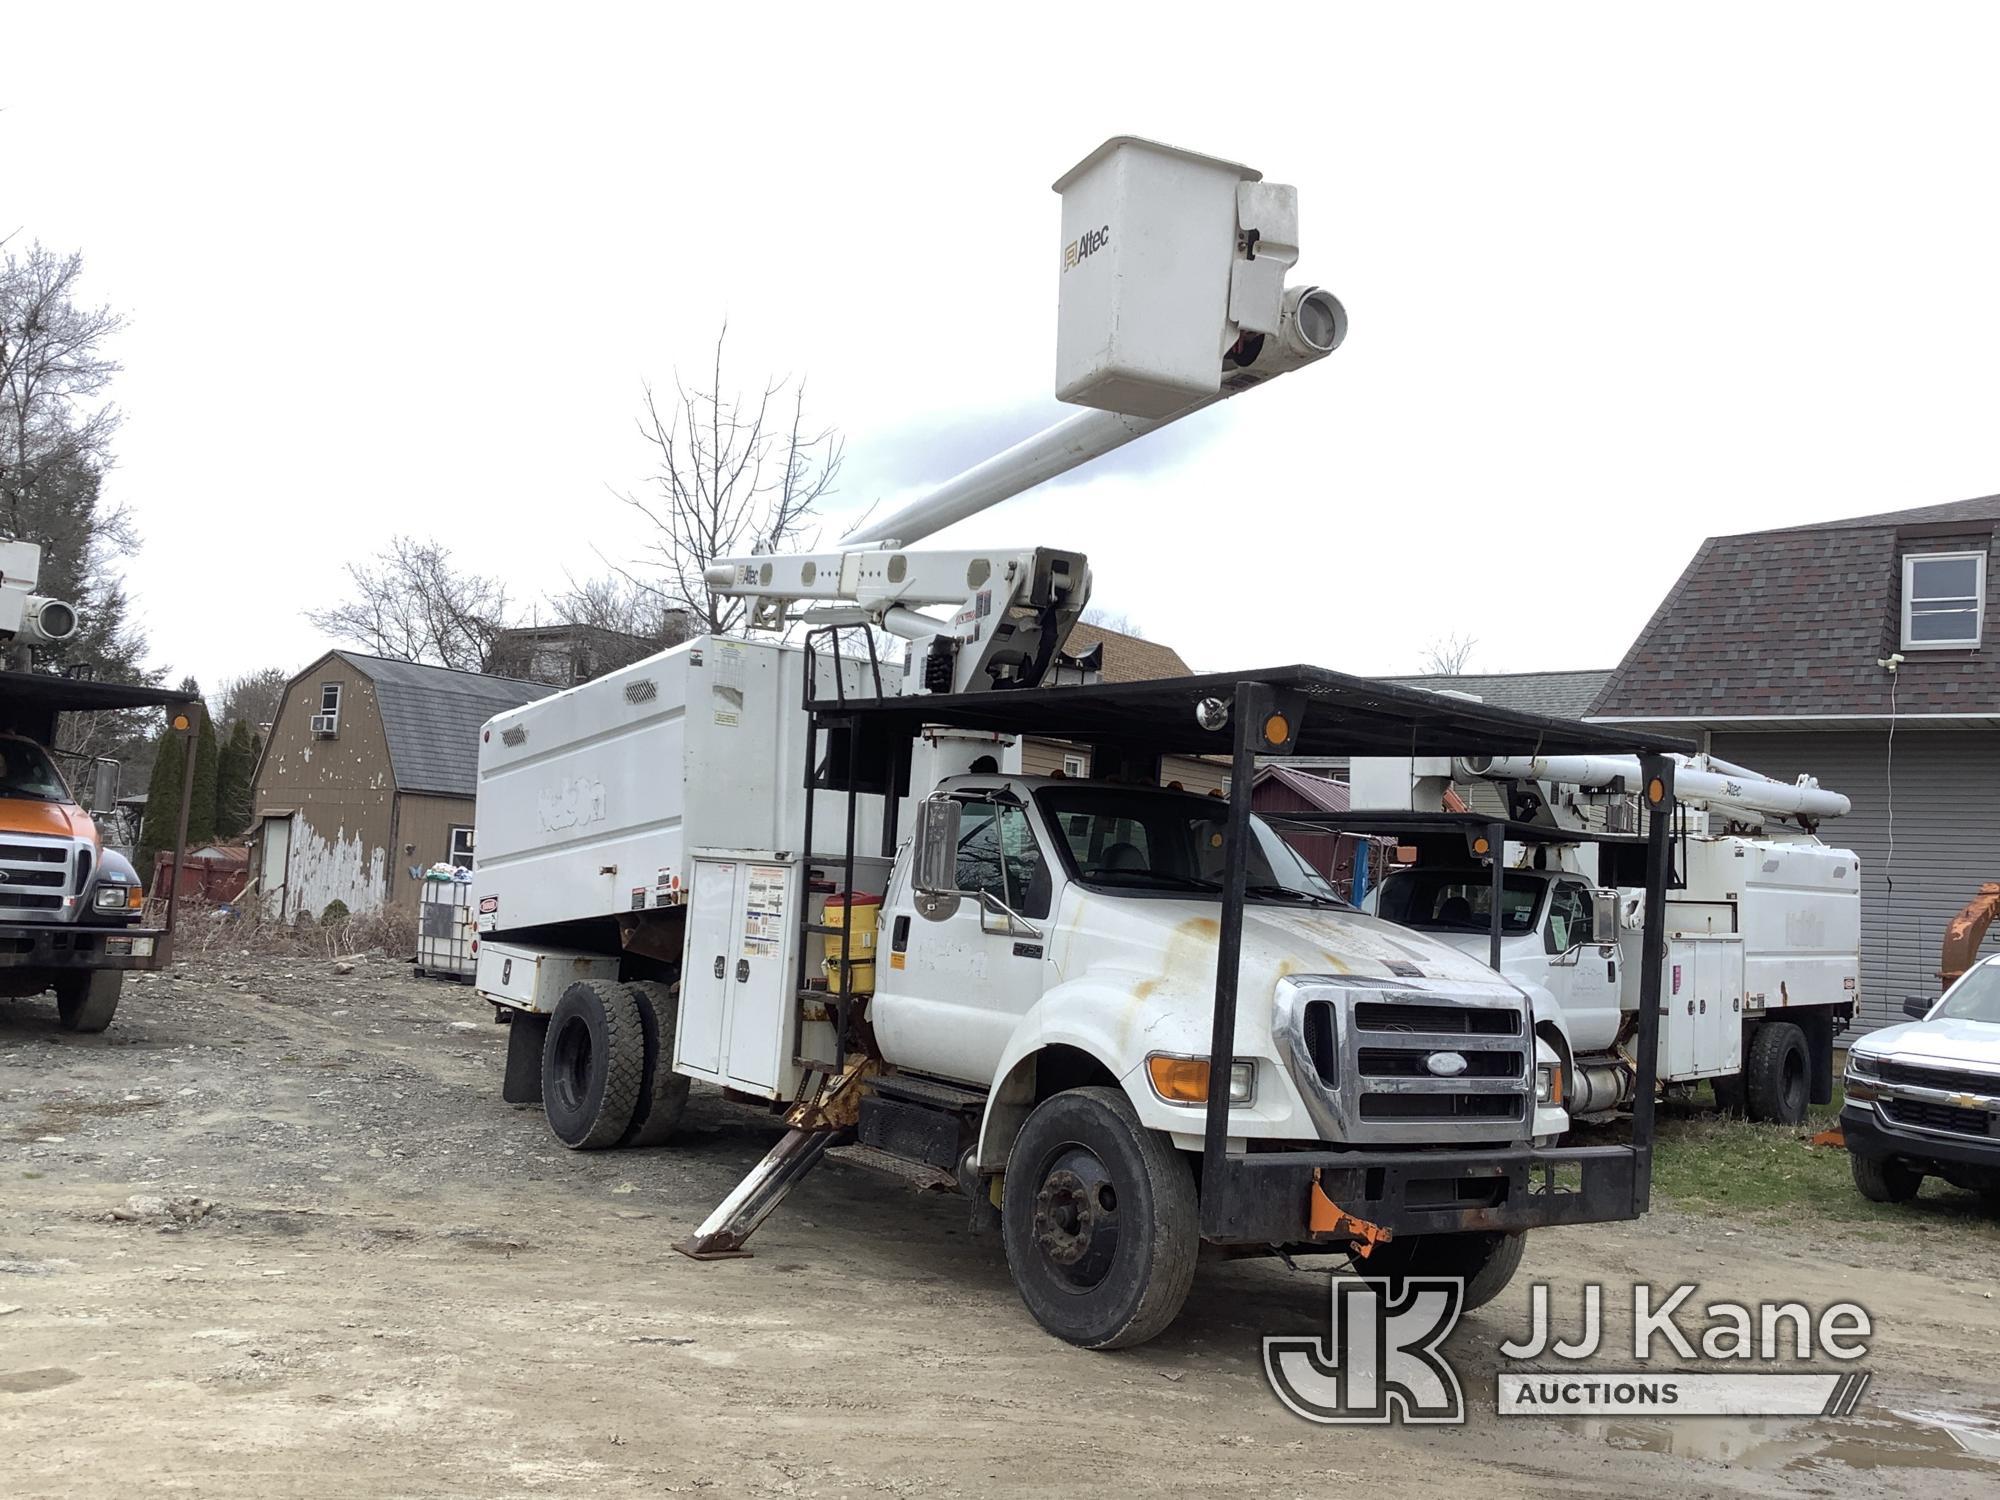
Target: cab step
[[919, 1174], [933, 1092]]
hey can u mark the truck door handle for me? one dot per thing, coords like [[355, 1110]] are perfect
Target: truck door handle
[[718, 965], [742, 970]]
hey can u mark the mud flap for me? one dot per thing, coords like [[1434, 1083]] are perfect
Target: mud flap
[[525, 1034]]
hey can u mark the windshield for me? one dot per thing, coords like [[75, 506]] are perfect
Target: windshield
[[1168, 841], [1976, 997], [1459, 900], [26, 772]]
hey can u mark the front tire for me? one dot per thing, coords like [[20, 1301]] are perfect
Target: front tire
[[1100, 1221], [87, 999], [1883, 1179], [1485, 1261], [593, 1061], [1777, 1075]]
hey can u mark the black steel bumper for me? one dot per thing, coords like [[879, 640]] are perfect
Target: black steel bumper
[[78, 947], [1867, 1135], [1268, 1198]]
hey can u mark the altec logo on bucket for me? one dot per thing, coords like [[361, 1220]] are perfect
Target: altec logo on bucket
[[1085, 245], [1382, 1359]]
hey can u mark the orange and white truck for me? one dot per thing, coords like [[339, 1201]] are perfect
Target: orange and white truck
[[72, 910]]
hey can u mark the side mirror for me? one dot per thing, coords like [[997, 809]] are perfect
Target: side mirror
[[1917, 1007], [934, 867], [1604, 915]]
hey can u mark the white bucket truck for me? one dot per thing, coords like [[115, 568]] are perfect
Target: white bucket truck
[[1762, 931], [1028, 979]]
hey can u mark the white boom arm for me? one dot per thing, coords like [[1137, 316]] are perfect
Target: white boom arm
[[28, 619], [1698, 780], [1014, 608]]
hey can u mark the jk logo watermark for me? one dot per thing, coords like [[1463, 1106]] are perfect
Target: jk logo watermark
[[1382, 1359]]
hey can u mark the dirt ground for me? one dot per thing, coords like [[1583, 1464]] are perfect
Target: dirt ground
[[401, 1286]]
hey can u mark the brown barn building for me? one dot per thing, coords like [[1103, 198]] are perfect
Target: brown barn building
[[369, 772]]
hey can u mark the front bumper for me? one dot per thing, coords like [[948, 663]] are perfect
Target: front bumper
[[1269, 1197], [76, 946], [1869, 1134]]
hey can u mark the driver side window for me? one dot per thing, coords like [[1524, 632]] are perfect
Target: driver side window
[[1569, 918], [997, 853]]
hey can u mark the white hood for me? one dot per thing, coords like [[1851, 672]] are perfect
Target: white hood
[[1965, 1042]]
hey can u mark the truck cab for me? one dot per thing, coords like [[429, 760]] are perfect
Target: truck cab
[[1073, 924], [65, 899], [1558, 938]]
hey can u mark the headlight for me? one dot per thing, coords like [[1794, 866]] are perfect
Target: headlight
[[112, 897], [1548, 1083], [1179, 1079], [1863, 1062]]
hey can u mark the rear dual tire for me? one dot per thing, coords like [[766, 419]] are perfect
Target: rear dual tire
[[607, 1066], [593, 1065]]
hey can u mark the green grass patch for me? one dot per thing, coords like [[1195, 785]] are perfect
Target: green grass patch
[[1707, 1164]]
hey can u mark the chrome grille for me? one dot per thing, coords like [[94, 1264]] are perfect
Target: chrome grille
[[35, 878], [1399, 1061]]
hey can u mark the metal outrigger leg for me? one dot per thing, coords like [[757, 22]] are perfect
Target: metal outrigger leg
[[736, 1218], [816, 1125]]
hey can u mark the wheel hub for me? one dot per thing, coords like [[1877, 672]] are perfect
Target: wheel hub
[[1076, 1217]]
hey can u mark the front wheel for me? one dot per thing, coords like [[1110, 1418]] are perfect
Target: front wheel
[[1485, 1261], [1883, 1179], [1099, 1219], [87, 999]]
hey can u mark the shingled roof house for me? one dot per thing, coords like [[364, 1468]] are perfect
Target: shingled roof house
[[1770, 651], [369, 770]]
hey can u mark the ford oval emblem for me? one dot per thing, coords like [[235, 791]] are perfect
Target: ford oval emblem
[[1446, 1064]]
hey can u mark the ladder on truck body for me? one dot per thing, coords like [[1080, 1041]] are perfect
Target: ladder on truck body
[[817, 1121]]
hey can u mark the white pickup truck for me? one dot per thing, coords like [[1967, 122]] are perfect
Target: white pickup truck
[[1923, 1099]]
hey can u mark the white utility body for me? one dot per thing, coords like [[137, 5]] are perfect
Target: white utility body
[[1764, 924], [1046, 970]]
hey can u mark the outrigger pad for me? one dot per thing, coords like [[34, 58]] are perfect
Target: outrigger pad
[[722, 1233]]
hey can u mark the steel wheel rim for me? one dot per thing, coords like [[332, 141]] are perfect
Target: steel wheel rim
[[1077, 1218], [573, 1051]]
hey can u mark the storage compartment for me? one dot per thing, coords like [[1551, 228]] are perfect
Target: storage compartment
[[740, 1006], [1148, 238], [1701, 1025], [534, 978]]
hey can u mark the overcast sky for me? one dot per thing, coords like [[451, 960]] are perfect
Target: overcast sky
[[1618, 278]]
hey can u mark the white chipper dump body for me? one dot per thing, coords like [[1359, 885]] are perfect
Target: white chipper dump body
[[818, 881]]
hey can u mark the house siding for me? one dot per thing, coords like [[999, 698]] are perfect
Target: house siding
[[340, 791], [1946, 840], [423, 837]]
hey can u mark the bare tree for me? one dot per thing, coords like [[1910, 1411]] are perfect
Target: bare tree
[[412, 604], [1116, 620], [1449, 656], [733, 474], [55, 447], [252, 699]]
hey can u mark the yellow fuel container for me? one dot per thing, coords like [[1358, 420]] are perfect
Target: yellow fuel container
[[857, 952]]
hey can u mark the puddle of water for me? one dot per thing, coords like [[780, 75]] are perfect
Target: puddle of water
[[1880, 1440]]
